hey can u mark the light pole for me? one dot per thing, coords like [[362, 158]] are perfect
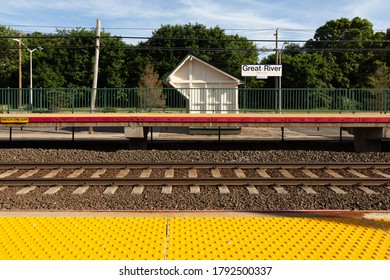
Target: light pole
[[31, 78], [280, 78]]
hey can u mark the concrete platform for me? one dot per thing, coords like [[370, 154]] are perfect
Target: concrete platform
[[125, 235]]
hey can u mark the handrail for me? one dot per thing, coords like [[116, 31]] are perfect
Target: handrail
[[188, 100]]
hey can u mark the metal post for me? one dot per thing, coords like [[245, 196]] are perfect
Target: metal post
[[31, 82], [20, 70], [276, 62], [280, 79]]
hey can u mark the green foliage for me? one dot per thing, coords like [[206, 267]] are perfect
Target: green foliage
[[344, 103], [150, 89], [338, 56], [320, 100], [8, 58], [308, 70], [170, 44], [345, 40], [57, 100], [380, 78]]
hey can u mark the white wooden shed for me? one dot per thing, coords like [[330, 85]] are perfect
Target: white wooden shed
[[207, 88]]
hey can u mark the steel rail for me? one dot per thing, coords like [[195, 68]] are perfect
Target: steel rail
[[195, 181], [175, 165]]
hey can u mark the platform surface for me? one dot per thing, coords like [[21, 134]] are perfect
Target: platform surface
[[194, 236]]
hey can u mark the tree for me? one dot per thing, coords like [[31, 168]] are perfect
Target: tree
[[8, 58], [68, 56], [170, 44], [380, 79], [150, 89], [307, 70], [348, 41]]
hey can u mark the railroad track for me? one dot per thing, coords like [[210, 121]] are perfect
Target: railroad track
[[167, 175]]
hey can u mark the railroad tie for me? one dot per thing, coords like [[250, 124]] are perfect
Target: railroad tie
[[239, 173], [76, 173], [216, 173], [26, 190], [123, 173], [280, 190], [367, 190], [53, 190], [192, 173], [223, 189], [252, 190], [336, 189], [194, 189], [137, 190], [146, 173], [262, 173], [309, 173], [8, 173], [381, 173], [308, 190], [166, 189], [98, 173], [169, 173], [286, 174], [28, 174], [110, 190], [356, 173], [333, 173], [81, 190], [53, 173]]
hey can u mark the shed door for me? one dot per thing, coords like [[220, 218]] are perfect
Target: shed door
[[198, 99], [214, 100]]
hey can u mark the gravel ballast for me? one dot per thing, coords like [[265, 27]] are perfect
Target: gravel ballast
[[181, 198], [274, 156]]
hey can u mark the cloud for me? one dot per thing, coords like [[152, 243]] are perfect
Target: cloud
[[239, 14], [376, 11], [256, 19]]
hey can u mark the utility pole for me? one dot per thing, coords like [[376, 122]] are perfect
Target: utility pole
[[95, 71], [20, 69], [96, 68], [277, 46]]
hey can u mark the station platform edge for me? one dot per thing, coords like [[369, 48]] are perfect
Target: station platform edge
[[194, 236]]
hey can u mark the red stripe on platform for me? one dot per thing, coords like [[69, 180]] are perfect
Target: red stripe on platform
[[202, 119]]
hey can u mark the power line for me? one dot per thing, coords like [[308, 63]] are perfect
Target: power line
[[194, 39]]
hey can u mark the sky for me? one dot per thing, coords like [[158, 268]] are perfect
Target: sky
[[254, 19]]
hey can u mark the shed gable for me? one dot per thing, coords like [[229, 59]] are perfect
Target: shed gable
[[207, 88]]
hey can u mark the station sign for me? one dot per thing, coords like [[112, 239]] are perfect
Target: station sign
[[261, 71]]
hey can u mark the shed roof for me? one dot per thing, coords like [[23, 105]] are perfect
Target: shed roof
[[193, 57]]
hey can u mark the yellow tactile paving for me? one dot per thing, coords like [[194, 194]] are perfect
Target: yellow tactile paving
[[82, 238], [383, 224], [278, 239], [194, 238]]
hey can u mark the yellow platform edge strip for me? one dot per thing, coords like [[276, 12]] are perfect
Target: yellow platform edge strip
[[183, 238]]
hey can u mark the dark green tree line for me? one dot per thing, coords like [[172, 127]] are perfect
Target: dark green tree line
[[339, 55]]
